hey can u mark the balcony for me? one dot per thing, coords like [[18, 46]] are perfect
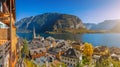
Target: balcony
[[5, 18]]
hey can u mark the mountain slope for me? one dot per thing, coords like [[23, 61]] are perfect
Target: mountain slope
[[49, 22]]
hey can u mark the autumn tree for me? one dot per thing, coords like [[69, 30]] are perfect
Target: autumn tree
[[88, 49]]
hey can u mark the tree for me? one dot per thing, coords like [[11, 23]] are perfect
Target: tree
[[103, 63], [29, 63], [88, 49], [79, 64], [25, 49]]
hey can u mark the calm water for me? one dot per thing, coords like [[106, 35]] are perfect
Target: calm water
[[95, 39]]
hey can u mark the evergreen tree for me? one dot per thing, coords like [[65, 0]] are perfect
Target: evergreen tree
[[25, 49]]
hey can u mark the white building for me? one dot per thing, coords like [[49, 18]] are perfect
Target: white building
[[71, 57]]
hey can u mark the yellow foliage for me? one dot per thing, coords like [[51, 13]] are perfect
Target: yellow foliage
[[29, 63], [88, 49]]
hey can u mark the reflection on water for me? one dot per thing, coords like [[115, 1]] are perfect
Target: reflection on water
[[95, 39]]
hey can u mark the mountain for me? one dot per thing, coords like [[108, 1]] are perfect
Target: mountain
[[105, 25], [116, 28], [49, 22], [89, 25]]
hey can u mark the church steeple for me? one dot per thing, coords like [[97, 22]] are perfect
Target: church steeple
[[34, 34]]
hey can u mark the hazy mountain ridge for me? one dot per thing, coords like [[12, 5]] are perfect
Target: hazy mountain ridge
[[89, 25], [116, 28], [105, 25], [49, 22]]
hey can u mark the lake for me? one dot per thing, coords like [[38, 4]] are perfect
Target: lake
[[112, 39]]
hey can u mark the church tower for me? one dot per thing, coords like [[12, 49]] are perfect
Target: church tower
[[34, 34]]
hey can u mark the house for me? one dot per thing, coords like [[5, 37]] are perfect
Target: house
[[115, 53], [115, 57], [38, 46], [114, 50], [78, 46], [52, 41], [95, 58], [54, 52], [59, 49], [101, 50], [71, 57], [99, 53], [37, 49], [63, 45], [36, 53]]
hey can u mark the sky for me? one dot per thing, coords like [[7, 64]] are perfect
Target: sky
[[89, 11]]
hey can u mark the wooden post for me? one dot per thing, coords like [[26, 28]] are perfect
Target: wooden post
[[10, 35]]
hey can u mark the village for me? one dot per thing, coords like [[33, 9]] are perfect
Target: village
[[16, 51], [51, 52]]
